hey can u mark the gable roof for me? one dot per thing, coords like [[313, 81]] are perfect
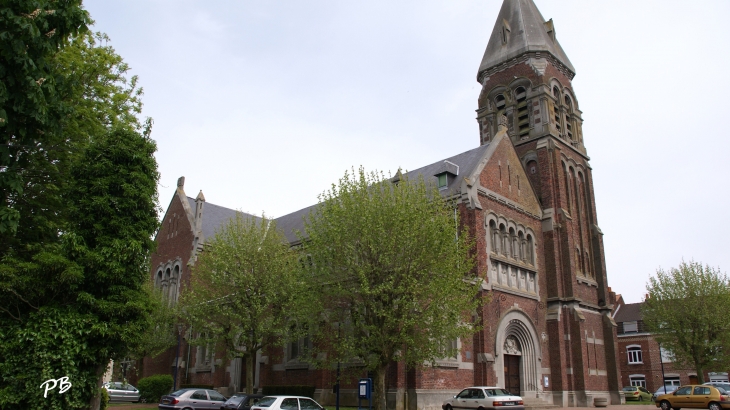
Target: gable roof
[[527, 31], [630, 312], [215, 216], [466, 161]]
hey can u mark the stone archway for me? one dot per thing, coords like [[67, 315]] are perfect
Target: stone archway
[[517, 345]]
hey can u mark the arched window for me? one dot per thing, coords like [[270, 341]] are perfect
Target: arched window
[[568, 121], [174, 284], [556, 94], [158, 279], [512, 244], [530, 250], [495, 237], [523, 112], [634, 352], [567, 188], [500, 102]]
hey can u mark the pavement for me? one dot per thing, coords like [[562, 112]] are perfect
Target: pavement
[[649, 406]]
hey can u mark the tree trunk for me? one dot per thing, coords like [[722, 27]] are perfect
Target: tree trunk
[[249, 372], [379, 387], [95, 401], [700, 375], [140, 368]]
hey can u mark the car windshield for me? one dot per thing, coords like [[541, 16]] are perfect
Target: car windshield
[[266, 402], [630, 388], [235, 399], [178, 393]]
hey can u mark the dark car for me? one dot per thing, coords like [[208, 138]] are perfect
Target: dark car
[[241, 401], [192, 398]]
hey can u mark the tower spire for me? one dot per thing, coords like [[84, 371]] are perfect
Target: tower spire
[[520, 28]]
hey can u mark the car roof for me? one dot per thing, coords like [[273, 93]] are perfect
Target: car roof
[[484, 387]]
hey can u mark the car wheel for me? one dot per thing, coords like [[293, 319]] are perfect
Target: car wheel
[[448, 407], [665, 405], [715, 406]]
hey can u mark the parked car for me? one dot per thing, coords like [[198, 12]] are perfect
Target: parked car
[[664, 390], [636, 393], [286, 403], [119, 391], [241, 401], [486, 397], [722, 386], [192, 398], [694, 396]]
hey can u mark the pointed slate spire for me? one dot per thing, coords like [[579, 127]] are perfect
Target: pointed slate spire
[[520, 28]]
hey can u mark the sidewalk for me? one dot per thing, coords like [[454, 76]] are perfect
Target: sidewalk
[[649, 406]]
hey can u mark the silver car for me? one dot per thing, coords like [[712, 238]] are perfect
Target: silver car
[[119, 391], [192, 399], [484, 397]]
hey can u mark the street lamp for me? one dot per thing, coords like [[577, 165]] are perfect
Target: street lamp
[[177, 355]]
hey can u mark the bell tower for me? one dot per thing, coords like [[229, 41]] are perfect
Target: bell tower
[[527, 78]]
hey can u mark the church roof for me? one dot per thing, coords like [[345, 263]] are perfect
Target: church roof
[[215, 216], [522, 26]]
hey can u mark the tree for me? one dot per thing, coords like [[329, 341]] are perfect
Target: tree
[[682, 311], [31, 110], [159, 331], [245, 291], [72, 267], [395, 270]]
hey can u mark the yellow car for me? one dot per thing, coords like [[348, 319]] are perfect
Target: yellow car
[[696, 397]]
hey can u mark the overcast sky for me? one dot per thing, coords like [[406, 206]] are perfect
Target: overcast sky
[[264, 104]]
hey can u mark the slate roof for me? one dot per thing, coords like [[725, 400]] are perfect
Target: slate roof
[[527, 32], [629, 312], [466, 161], [215, 216]]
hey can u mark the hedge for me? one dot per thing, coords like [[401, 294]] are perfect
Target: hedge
[[153, 387], [306, 391]]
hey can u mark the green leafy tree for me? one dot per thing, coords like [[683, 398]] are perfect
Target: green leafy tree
[[159, 331], [245, 290], [682, 313], [395, 271], [73, 262], [31, 109]]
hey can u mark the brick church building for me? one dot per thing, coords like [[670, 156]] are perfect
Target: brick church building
[[526, 193]]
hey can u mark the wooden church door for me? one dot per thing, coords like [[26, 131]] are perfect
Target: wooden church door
[[512, 374]]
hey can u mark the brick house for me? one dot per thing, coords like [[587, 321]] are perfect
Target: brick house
[[526, 194], [641, 360]]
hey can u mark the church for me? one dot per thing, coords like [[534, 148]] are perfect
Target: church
[[526, 193]]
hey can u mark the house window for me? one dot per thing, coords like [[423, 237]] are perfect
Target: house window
[[442, 180], [631, 327], [666, 355], [672, 381], [634, 353], [637, 380]]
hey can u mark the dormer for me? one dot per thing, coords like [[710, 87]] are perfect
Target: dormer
[[446, 174]]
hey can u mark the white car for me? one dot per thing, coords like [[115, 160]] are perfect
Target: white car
[[286, 403], [484, 398], [119, 391]]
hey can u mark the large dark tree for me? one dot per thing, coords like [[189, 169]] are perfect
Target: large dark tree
[[78, 206]]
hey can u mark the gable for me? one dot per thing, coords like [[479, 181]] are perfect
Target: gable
[[504, 175]]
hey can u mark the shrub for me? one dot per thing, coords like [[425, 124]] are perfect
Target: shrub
[[306, 391], [153, 387], [104, 399]]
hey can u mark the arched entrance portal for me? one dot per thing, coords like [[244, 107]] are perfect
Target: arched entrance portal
[[518, 355]]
